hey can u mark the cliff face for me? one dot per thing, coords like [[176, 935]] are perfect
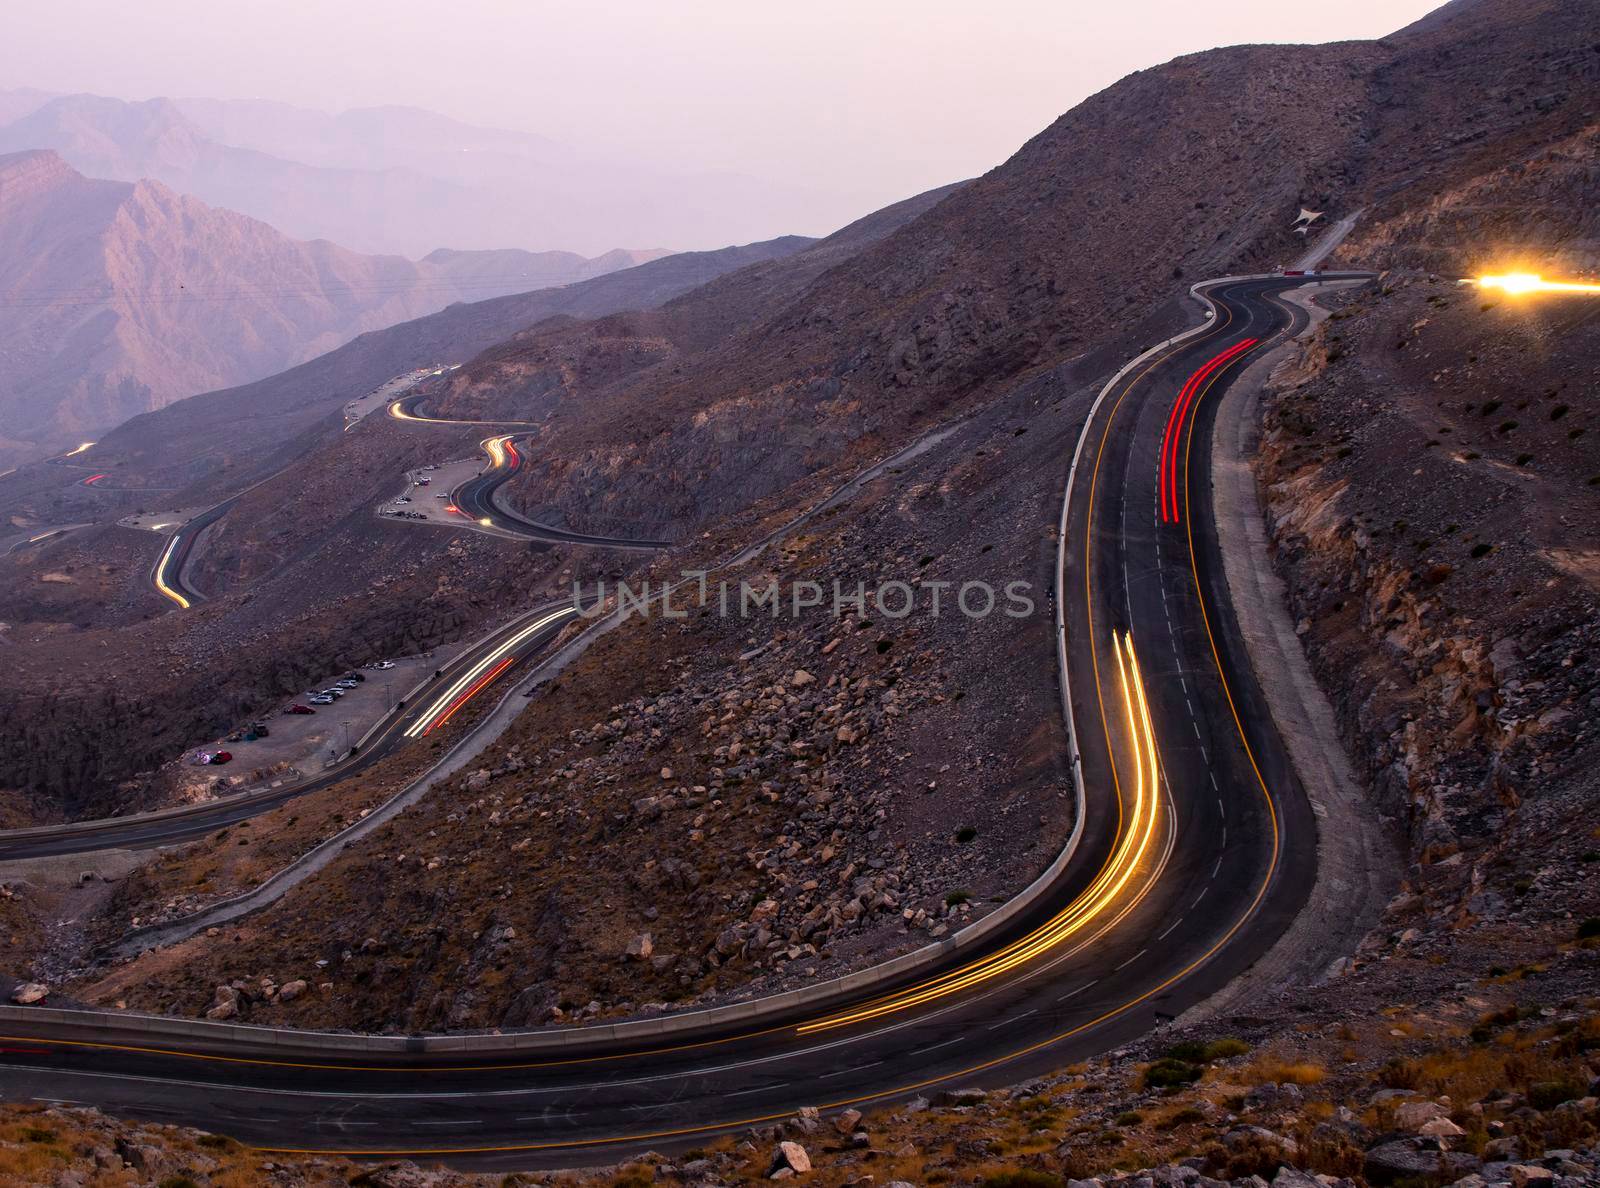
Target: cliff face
[[1541, 213], [117, 298]]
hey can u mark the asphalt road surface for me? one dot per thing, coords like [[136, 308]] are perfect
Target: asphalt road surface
[[1198, 847]]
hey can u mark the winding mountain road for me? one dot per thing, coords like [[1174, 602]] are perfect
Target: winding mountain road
[[1195, 847], [476, 500]]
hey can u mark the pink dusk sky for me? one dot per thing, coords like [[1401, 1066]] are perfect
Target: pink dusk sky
[[861, 101]]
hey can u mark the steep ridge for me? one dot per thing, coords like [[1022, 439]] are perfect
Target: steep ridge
[[1193, 168], [118, 297], [1093, 220]]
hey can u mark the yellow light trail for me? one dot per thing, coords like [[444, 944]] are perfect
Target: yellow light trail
[[421, 726], [398, 411], [495, 447], [161, 575], [1518, 283], [73, 453], [1129, 857]]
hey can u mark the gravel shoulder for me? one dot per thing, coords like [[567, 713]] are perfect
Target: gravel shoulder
[[1358, 863]]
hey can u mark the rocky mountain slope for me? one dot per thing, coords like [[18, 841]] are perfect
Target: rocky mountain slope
[[1190, 169], [223, 439], [117, 298]]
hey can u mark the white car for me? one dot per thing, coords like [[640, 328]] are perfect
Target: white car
[[384, 664]]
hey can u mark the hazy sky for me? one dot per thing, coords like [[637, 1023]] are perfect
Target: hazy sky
[[870, 99]]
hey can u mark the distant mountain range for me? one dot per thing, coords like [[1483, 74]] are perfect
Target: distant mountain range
[[118, 297], [397, 179]]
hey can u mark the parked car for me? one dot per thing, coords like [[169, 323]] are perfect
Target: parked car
[[320, 699], [297, 708], [384, 664], [222, 757], [354, 676]]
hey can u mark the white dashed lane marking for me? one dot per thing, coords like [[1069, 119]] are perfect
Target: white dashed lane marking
[[1131, 960], [1013, 1019]]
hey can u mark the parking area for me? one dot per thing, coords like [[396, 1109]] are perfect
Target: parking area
[[300, 746], [161, 521], [427, 493], [378, 398]]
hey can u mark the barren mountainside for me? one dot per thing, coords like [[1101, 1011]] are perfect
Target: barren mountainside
[[690, 810], [119, 297], [1191, 169]]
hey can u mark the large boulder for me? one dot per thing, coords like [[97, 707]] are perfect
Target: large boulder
[[1420, 1159], [791, 1156], [1414, 1115], [29, 993]]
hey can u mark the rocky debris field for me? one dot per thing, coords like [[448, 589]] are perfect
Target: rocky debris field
[[777, 799]]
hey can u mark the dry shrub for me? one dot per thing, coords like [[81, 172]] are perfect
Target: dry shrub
[[1282, 1072], [1253, 1155]]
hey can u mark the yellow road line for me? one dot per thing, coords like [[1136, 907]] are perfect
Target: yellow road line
[[161, 570]]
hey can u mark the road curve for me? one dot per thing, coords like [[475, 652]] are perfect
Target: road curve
[[1196, 848], [476, 497], [476, 500], [168, 574]]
